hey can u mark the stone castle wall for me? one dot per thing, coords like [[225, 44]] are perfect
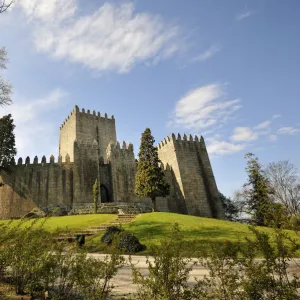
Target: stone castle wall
[[86, 127], [123, 169], [195, 186], [36, 184], [88, 150]]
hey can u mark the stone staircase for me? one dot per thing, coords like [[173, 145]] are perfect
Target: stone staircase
[[120, 220]]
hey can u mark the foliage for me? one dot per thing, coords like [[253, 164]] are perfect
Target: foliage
[[285, 182], [168, 272], [109, 233], [150, 179], [37, 265], [130, 243], [95, 276], [95, 195], [231, 208], [7, 143], [258, 193], [236, 274], [5, 87], [123, 240]]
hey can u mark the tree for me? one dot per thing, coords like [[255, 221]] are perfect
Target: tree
[[257, 192], [95, 195], [150, 179], [5, 5], [231, 208], [285, 181], [7, 143], [5, 87]]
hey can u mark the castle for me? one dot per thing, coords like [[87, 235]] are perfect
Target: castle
[[89, 150]]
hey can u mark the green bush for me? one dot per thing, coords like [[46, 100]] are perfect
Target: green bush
[[130, 243], [109, 233], [125, 241]]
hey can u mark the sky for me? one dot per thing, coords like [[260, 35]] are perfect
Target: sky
[[227, 70]]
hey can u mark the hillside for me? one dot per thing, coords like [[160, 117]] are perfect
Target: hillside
[[199, 233]]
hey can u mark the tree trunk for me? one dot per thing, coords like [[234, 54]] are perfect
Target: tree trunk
[[154, 208]]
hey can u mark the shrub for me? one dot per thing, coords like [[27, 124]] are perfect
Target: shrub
[[130, 243], [123, 240], [108, 235], [168, 272]]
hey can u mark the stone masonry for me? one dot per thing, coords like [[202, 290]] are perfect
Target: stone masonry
[[89, 150]]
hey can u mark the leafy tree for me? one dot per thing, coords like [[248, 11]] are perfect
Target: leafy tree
[[7, 143], [96, 195], [258, 193], [5, 87], [231, 208], [150, 179]]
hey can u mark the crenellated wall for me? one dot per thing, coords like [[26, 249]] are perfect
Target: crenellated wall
[[86, 127], [193, 176], [123, 169], [88, 150], [36, 185]]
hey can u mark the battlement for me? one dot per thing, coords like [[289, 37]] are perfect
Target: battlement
[[181, 141], [86, 113], [43, 161]]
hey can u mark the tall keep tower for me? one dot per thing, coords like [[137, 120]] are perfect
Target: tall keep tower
[[86, 127]]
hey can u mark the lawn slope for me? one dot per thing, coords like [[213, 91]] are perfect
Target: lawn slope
[[199, 233]]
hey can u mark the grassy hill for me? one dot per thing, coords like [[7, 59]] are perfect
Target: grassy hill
[[71, 223], [199, 233]]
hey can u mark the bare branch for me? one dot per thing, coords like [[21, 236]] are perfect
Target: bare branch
[[4, 5]]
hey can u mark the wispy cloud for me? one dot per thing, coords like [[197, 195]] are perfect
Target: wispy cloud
[[211, 51], [203, 108], [273, 137], [113, 38], [217, 147], [34, 133], [244, 15], [263, 125], [244, 134], [288, 131]]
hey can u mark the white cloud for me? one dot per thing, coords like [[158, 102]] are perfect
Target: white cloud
[[203, 107], [276, 116], [224, 148], [263, 125], [114, 37], [272, 138], [244, 15], [243, 134], [288, 130], [207, 54], [48, 10], [34, 134]]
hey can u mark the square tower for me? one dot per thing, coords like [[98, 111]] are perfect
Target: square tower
[[86, 127]]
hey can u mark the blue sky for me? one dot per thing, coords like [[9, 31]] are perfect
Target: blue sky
[[228, 70]]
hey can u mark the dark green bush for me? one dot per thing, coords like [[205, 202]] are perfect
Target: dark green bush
[[124, 240], [108, 235], [130, 243]]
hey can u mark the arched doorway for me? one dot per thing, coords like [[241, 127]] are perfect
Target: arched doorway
[[104, 194]]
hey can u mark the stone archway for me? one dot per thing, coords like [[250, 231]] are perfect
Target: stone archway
[[104, 194]]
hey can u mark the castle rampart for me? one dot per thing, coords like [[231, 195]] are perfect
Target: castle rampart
[[88, 150]]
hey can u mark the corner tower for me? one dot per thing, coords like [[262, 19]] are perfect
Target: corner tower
[[195, 182], [86, 127]]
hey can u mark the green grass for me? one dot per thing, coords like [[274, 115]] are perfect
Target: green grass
[[199, 233], [72, 223]]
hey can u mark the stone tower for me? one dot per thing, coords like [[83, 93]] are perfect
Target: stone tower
[[193, 180], [86, 127], [89, 150]]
